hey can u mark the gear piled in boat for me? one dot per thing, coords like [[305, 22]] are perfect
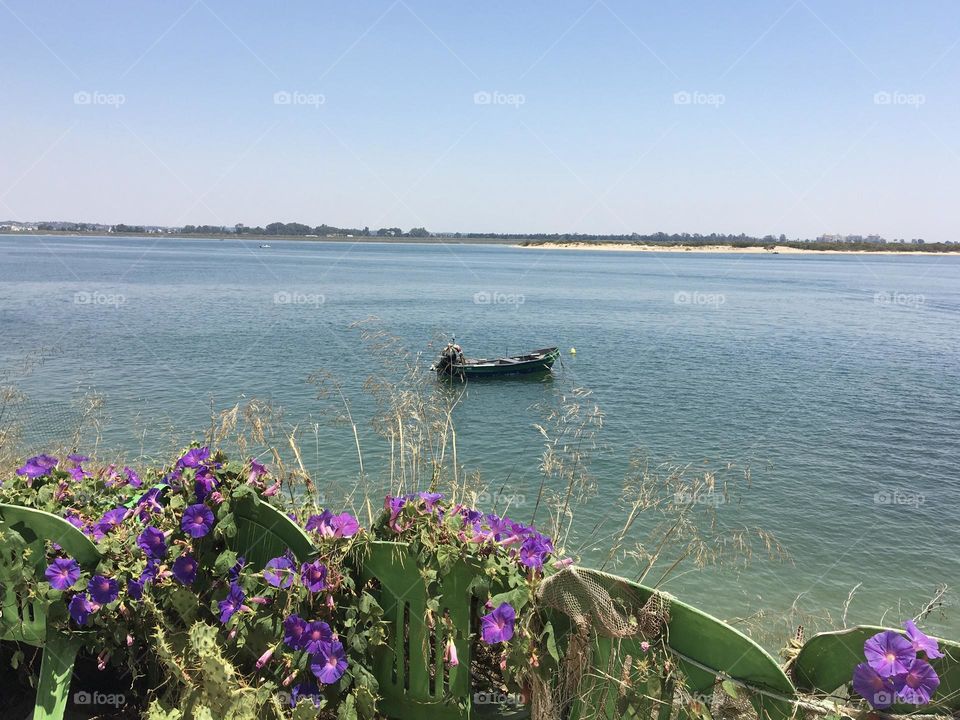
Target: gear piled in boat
[[453, 363]]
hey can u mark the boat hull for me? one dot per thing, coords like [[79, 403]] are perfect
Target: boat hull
[[538, 361]]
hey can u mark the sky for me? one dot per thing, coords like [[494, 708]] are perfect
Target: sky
[[799, 117]]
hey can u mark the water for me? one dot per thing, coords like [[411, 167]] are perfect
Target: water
[[836, 379]]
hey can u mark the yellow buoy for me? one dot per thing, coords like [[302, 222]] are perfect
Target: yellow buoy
[[573, 351]]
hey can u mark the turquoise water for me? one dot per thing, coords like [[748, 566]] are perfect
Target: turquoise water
[[833, 378]]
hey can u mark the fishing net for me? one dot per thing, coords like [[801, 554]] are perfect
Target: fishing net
[[596, 610]]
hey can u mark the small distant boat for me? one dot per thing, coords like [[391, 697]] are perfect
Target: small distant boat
[[265, 245], [454, 364]]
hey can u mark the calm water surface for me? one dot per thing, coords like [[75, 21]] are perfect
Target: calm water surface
[[835, 379]]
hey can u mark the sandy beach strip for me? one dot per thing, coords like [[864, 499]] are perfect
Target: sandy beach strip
[[753, 250]]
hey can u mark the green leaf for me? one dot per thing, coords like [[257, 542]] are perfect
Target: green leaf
[[348, 709], [730, 688], [225, 562], [551, 642]]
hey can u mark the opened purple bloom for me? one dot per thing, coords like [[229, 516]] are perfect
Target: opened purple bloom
[[80, 609], [498, 625], [109, 522], [76, 459], [921, 642], [232, 603], [314, 576], [876, 690], [889, 653], [132, 477], [257, 471], [329, 662], [38, 466], [152, 542], [193, 457], [918, 684], [294, 629], [62, 573], [185, 569], [322, 523], [279, 572], [535, 550], [78, 473], [430, 499], [317, 633], [135, 589], [345, 525], [103, 590], [204, 484], [197, 520]]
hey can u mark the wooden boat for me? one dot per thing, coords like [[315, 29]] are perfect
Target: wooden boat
[[453, 363]]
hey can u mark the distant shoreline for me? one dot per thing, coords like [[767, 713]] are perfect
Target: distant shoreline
[[758, 249], [748, 249]]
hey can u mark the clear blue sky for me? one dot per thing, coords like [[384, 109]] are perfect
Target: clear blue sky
[[584, 131]]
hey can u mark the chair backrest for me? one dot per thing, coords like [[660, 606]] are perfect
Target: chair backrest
[[22, 619], [264, 532], [826, 661], [414, 681], [704, 648]]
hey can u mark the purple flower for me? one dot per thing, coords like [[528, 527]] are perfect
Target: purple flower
[[430, 499], [922, 643], [232, 603], [62, 573], [498, 625], [185, 569], [279, 572], [132, 477], [149, 504], [329, 662], [317, 633], [876, 690], [135, 589], [294, 630], [918, 684], [307, 691], [110, 521], [77, 473], [204, 484], [322, 523], [889, 653], [152, 542], [238, 568], [77, 459], [197, 520], [257, 471], [193, 457], [345, 525], [314, 576], [38, 466], [103, 590], [80, 609], [535, 550]]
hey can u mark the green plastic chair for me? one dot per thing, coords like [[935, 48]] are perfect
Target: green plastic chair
[[414, 681], [704, 648], [264, 532], [25, 620], [826, 661]]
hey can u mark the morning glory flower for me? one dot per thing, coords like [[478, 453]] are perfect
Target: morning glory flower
[[232, 603], [77, 459], [197, 520], [318, 632], [294, 630], [135, 589], [278, 572], [314, 576], [922, 643], [889, 653], [535, 550], [918, 684], [153, 543], [77, 473], [38, 466], [109, 522], [430, 499], [876, 690], [185, 569], [80, 608], [322, 523], [498, 625], [237, 568], [204, 484], [103, 590], [257, 471], [132, 477], [62, 573], [149, 504], [329, 662], [193, 457]]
